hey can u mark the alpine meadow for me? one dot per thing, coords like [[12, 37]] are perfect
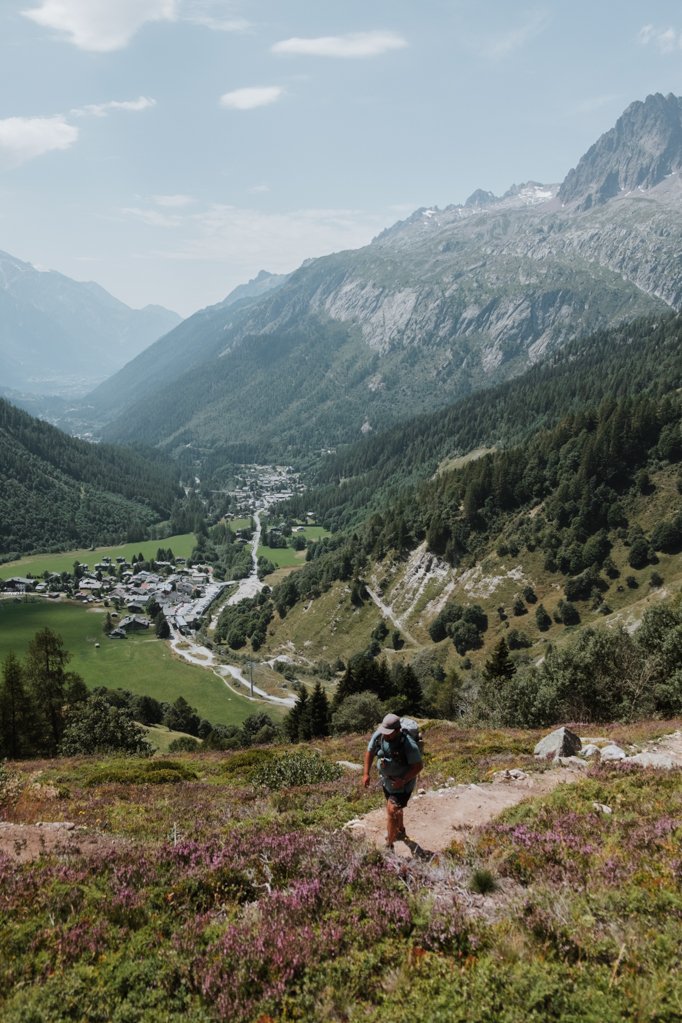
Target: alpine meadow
[[341, 608]]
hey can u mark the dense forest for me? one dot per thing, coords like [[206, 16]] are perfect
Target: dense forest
[[640, 357], [615, 421], [60, 492]]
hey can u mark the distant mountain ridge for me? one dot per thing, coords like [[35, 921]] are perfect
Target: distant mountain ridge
[[643, 148], [437, 306], [62, 336]]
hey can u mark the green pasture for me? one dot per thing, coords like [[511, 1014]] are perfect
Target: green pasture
[[141, 663], [287, 557], [282, 557], [35, 564]]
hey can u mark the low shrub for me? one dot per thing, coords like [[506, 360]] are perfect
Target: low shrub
[[153, 772], [298, 768]]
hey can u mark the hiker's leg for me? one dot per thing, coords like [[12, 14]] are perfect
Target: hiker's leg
[[394, 820]]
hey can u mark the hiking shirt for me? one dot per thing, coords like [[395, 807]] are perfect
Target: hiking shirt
[[393, 759]]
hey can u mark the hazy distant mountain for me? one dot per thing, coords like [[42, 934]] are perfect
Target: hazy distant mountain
[[441, 304], [60, 336]]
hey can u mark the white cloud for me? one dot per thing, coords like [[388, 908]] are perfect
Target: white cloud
[[24, 138], [251, 239], [248, 99], [102, 109], [498, 46], [355, 44], [668, 40], [100, 25], [259, 189], [153, 218], [215, 14], [174, 201]]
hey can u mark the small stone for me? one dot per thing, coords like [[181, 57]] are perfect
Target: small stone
[[602, 808], [612, 752], [349, 765], [571, 762]]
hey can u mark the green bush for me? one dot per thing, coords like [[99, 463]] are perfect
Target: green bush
[[299, 768], [135, 772], [185, 744]]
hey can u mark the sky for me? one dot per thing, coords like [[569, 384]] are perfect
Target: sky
[[171, 149]]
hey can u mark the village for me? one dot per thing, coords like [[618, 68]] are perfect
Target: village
[[136, 592]]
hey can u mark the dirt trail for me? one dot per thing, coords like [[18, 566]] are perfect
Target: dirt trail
[[436, 819]]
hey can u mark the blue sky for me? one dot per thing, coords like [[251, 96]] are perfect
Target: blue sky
[[170, 149]]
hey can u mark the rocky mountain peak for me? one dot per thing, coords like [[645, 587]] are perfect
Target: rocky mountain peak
[[643, 147]]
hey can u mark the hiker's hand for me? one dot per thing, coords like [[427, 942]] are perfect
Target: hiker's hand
[[365, 780]]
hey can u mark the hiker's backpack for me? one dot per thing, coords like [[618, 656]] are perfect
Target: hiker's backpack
[[408, 726]]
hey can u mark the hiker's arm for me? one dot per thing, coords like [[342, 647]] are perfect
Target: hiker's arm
[[369, 757], [411, 772]]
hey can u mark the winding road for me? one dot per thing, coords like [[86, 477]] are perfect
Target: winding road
[[189, 650]]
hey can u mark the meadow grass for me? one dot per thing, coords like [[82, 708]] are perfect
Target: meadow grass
[[207, 892], [141, 663], [181, 544]]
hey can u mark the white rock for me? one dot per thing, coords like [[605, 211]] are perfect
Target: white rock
[[612, 752], [660, 760], [571, 762], [590, 751], [602, 808]]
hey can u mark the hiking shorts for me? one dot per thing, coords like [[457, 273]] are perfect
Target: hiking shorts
[[400, 799]]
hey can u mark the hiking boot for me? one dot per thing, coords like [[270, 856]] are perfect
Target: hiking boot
[[401, 836]]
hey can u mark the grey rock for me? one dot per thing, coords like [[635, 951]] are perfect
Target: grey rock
[[602, 808], [571, 762], [562, 742], [349, 765], [590, 752], [660, 760], [613, 752]]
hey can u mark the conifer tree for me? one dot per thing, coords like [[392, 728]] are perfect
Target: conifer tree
[[319, 712], [16, 712]]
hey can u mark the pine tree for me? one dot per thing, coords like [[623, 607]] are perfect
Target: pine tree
[[500, 665], [47, 681], [16, 712], [319, 712]]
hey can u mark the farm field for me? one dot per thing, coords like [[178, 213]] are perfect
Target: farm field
[[35, 564], [287, 557], [141, 663]]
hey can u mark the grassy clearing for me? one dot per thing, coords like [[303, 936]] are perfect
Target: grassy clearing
[[238, 900], [181, 545], [282, 557], [141, 663]]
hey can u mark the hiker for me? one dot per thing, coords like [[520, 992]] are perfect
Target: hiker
[[400, 761]]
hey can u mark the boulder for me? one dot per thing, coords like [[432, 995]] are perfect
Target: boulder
[[571, 762], [562, 742], [590, 751], [660, 760], [613, 752]]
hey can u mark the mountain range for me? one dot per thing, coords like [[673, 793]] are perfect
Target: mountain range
[[438, 306], [60, 336]]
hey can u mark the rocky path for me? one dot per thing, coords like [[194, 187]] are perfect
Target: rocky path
[[435, 819]]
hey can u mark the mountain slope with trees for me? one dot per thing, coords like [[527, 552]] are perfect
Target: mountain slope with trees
[[57, 492]]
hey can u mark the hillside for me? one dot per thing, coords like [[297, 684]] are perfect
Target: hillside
[[203, 888], [441, 305], [57, 492], [60, 336]]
